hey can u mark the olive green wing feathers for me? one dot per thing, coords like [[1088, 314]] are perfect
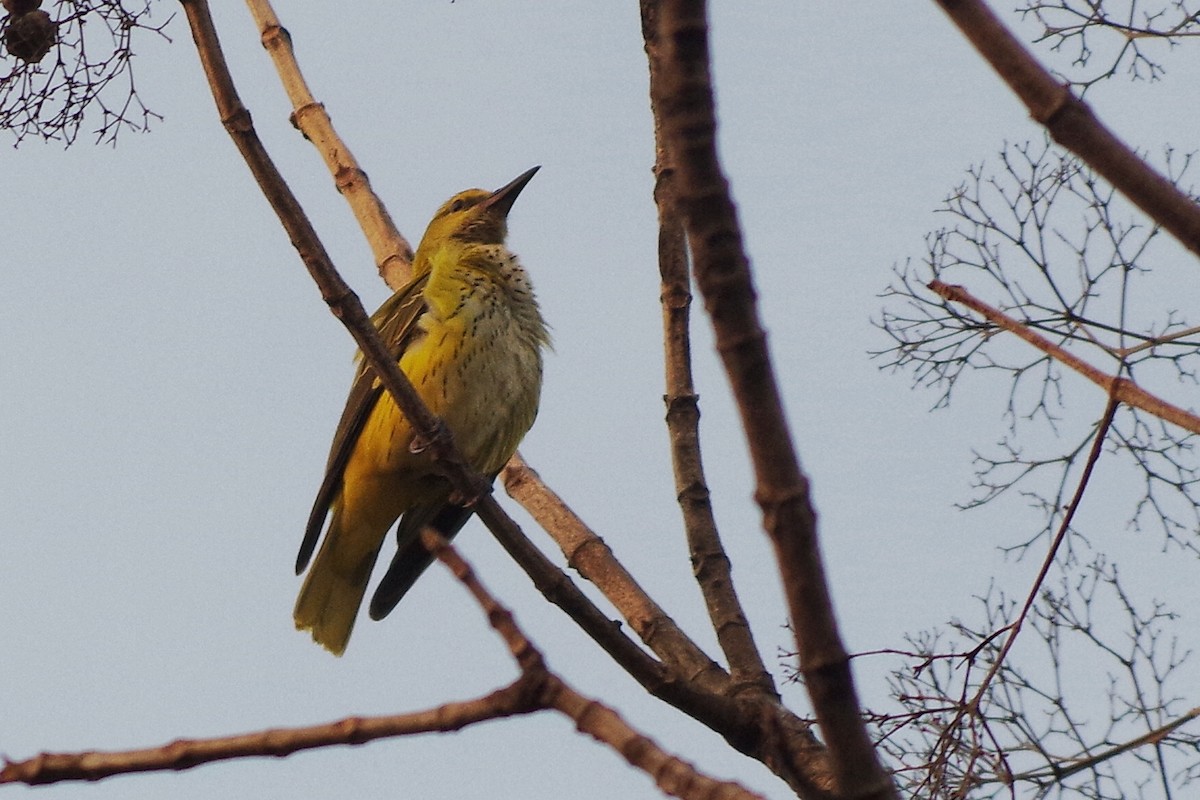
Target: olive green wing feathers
[[396, 321]]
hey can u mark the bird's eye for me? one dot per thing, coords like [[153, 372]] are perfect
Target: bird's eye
[[458, 205]]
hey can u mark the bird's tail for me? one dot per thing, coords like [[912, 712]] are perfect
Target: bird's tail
[[335, 585]]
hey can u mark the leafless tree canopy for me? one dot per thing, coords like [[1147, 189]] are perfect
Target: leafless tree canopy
[[1107, 38], [1061, 256], [85, 79]]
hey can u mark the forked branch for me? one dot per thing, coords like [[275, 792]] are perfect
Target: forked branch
[[684, 100], [1122, 389], [1072, 124]]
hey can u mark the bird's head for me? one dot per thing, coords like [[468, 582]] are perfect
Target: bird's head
[[475, 216]]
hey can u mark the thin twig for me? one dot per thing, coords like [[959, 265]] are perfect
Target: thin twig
[[1123, 389], [1014, 628]]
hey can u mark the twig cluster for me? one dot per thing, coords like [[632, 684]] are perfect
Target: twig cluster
[[1073, 266], [1071, 270], [1104, 38], [87, 77], [1028, 731]]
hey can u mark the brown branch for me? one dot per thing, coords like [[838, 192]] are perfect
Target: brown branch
[[685, 103], [1123, 389], [592, 558], [756, 724], [393, 254], [673, 775], [342, 301], [710, 563], [1072, 124], [1067, 767], [1014, 628], [279, 742]]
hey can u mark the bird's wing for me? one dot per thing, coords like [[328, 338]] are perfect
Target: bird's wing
[[396, 320]]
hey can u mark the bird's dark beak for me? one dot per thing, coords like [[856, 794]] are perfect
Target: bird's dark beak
[[503, 198]]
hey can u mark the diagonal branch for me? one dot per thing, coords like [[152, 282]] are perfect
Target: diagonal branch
[[710, 563], [342, 301], [1123, 389], [755, 724], [1072, 124], [1014, 628], [589, 555], [393, 254], [1065, 768], [684, 100]]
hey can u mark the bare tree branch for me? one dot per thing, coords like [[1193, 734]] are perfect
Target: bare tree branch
[[537, 688], [1073, 125], [393, 254], [1123, 389], [755, 724], [710, 563], [673, 776], [1117, 34], [684, 101], [589, 555], [82, 71], [1014, 628], [279, 742]]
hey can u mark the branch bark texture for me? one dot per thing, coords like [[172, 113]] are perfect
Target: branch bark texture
[[710, 563], [684, 99], [393, 254]]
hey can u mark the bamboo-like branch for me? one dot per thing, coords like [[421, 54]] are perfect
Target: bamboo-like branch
[[710, 563], [393, 254], [757, 724], [1123, 389], [1072, 124], [592, 558], [688, 118], [342, 301]]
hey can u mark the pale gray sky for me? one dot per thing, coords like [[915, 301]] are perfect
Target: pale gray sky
[[171, 378]]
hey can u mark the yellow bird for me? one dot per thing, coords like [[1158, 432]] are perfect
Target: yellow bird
[[468, 334]]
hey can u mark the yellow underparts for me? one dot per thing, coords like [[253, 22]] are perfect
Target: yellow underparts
[[477, 366]]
